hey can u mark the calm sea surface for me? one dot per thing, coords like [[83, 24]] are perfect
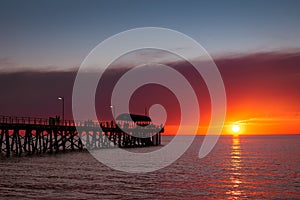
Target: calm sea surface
[[257, 167]]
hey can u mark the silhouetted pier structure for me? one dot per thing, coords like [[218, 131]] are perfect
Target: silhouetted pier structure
[[27, 135]]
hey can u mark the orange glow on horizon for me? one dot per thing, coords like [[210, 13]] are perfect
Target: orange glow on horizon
[[250, 126]]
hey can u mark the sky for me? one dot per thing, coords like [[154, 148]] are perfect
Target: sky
[[43, 34], [255, 45]]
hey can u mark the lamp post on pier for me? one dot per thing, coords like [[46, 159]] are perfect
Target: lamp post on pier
[[63, 108], [113, 110]]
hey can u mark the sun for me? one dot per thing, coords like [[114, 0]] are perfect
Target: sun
[[235, 128]]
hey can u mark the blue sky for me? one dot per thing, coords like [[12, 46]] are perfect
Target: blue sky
[[60, 34]]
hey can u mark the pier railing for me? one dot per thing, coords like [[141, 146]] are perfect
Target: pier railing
[[43, 121], [14, 120]]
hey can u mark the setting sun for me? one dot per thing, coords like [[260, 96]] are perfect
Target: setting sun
[[235, 128]]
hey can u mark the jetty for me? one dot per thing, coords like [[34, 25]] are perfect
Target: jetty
[[29, 135]]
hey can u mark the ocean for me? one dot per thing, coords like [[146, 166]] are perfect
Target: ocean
[[256, 167]]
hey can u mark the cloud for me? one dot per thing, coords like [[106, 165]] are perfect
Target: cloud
[[9, 65], [255, 84], [267, 120]]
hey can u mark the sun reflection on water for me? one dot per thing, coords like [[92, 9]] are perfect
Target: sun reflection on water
[[235, 191]]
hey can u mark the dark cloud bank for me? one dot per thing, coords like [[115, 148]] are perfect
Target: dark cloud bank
[[260, 78]]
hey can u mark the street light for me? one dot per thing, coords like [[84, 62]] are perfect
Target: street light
[[63, 108]]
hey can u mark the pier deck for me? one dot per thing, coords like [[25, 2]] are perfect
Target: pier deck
[[28, 136]]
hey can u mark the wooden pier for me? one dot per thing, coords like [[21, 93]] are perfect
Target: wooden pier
[[27, 136]]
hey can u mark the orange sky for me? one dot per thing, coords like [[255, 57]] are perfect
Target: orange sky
[[262, 94]]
